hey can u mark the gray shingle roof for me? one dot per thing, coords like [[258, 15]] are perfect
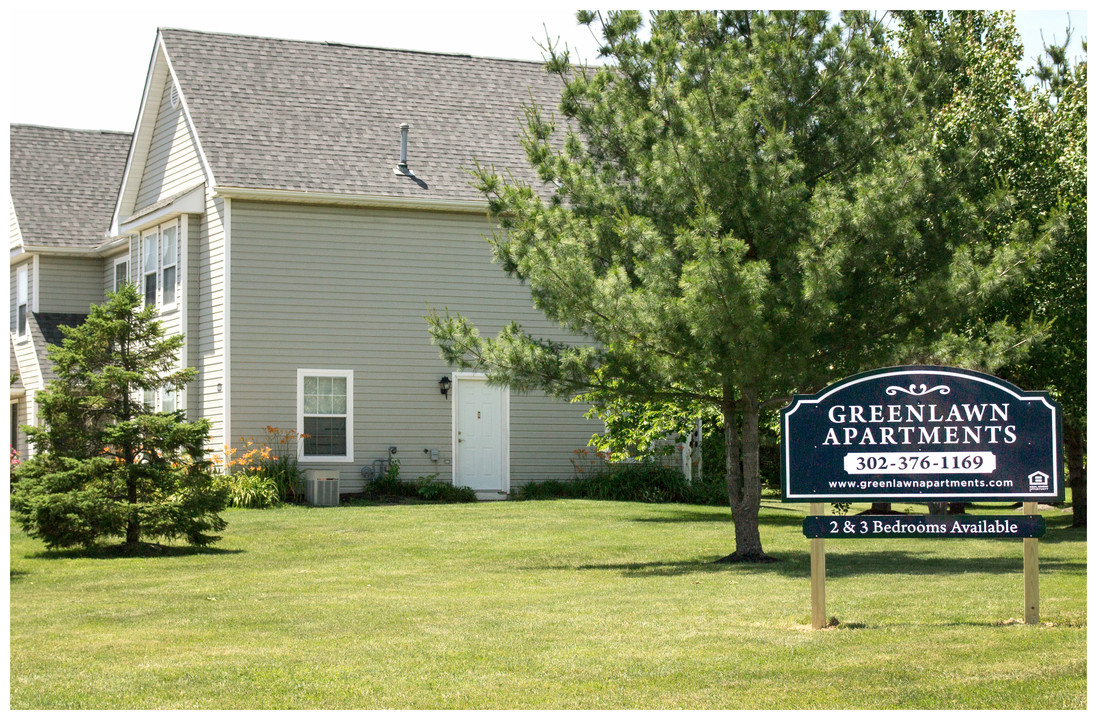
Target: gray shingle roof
[[320, 117], [45, 329], [64, 183]]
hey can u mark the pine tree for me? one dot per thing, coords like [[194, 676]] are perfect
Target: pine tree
[[742, 206], [105, 464]]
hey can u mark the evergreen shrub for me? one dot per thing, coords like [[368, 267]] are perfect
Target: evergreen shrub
[[106, 465]]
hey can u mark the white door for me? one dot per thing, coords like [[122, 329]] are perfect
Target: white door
[[480, 435]]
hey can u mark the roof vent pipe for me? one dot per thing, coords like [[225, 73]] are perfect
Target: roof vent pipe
[[402, 167]]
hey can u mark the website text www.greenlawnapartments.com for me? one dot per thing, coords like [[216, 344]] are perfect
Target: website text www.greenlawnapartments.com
[[919, 484]]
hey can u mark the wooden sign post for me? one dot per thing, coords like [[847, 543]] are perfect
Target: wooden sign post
[[818, 575], [1032, 572], [922, 434]]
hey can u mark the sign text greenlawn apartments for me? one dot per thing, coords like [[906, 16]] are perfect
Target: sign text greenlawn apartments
[[921, 433]]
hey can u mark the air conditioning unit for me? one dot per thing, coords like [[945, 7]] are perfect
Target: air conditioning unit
[[322, 487]]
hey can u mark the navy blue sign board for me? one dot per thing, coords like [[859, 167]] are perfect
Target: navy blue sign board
[[922, 433], [925, 526]]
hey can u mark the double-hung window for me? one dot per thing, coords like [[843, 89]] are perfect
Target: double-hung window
[[168, 397], [121, 273], [165, 399], [149, 265], [21, 302], [159, 266], [325, 414], [169, 247]]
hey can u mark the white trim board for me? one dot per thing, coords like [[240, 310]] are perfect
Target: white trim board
[[226, 364]]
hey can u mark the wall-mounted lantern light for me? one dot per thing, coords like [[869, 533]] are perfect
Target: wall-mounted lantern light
[[444, 384]]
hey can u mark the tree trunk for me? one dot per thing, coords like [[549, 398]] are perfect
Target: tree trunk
[[733, 476], [700, 438], [745, 487], [1075, 440], [881, 509], [133, 526], [937, 508]]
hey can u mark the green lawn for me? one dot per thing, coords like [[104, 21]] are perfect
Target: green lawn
[[553, 604]]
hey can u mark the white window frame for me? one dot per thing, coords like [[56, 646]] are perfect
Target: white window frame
[[22, 302], [156, 235], [14, 429], [147, 236], [157, 399], [164, 267], [302, 373], [174, 393], [125, 260]]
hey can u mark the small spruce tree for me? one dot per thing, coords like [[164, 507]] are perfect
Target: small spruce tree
[[105, 464]]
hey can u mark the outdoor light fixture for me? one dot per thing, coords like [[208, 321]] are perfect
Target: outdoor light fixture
[[444, 383]]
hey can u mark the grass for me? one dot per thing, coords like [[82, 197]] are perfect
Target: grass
[[553, 604]]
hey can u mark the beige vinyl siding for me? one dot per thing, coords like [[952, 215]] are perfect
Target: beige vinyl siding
[[191, 291], [172, 163], [348, 289], [548, 432], [13, 287], [67, 284], [22, 419], [13, 295], [206, 308], [108, 269], [15, 235], [136, 274], [30, 374], [26, 358], [29, 371]]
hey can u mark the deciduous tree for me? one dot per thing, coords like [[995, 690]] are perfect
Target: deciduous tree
[[1025, 145]]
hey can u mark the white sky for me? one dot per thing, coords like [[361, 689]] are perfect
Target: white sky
[[83, 65]]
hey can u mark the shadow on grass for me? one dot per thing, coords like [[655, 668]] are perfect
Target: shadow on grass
[[928, 622], [687, 516], [119, 552], [1059, 530], [17, 574], [789, 518], [899, 562], [839, 565], [664, 568]]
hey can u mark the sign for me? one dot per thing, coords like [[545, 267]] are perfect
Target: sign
[[924, 526], [922, 433]]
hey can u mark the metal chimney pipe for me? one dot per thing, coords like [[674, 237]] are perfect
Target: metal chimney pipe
[[403, 147]]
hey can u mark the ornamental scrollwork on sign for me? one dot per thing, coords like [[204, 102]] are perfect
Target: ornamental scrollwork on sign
[[917, 390]]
